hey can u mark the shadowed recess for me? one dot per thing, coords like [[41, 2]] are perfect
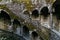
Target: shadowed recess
[[16, 23], [5, 16], [44, 11], [25, 28], [35, 13], [56, 6], [34, 34]]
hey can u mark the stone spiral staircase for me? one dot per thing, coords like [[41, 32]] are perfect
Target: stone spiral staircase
[[16, 9]]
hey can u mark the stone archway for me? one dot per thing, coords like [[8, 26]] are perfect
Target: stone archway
[[35, 13], [16, 26], [56, 14], [25, 31], [5, 19], [45, 16], [44, 12], [34, 35]]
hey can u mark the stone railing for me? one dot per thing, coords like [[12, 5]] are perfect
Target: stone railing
[[54, 35], [5, 35]]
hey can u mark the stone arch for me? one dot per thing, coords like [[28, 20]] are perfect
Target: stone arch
[[34, 34], [16, 23], [35, 13], [16, 27], [56, 14], [56, 6], [5, 20], [5, 17], [25, 31], [44, 12]]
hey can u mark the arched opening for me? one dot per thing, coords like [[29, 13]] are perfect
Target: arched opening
[[45, 16], [56, 6], [5, 19], [16, 26], [16, 22], [44, 12], [35, 13], [34, 34], [56, 13], [25, 31]]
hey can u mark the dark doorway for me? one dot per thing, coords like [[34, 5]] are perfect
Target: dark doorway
[[35, 13], [34, 34], [44, 12], [4, 16], [56, 6], [25, 31], [16, 23]]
